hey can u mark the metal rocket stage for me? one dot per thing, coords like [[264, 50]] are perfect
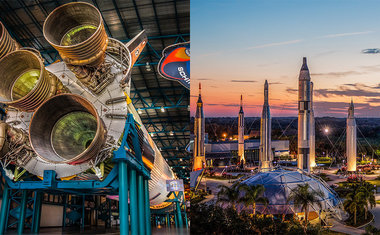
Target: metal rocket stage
[[166, 23]]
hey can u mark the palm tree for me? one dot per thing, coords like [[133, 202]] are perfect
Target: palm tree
[[253, 194], [369, 197], [302, 196], [228, 194], [355, 201]]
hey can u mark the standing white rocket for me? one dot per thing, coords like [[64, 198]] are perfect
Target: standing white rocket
[[241, 133], [304, 109], [312, 129], [199, 138], [351, 139], [266, 155]]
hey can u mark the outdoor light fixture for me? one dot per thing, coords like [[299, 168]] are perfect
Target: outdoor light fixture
[[171, 133], [152, 134], [139, 111], [162, 109]]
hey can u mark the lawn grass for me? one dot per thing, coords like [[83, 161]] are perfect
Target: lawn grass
[[374, 182]]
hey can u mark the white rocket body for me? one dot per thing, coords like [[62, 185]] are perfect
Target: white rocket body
[[304, 109], [351, 139], [199, 132], [241, 133], [312, 129], [266, 155]]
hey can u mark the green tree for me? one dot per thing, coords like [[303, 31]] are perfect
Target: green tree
[[228, 194], [355, 201], [303, 196], [368, 196], [253, 194]]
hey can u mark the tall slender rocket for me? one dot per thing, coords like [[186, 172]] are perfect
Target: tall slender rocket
[[241, 133], [266, 155], [199, 132], [304, 118], [351, 139], [312, 128]]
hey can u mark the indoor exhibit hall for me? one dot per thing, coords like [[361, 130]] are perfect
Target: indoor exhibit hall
[[94, 117]]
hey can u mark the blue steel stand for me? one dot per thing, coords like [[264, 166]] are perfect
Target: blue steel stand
[[129, 178], [177, 200]]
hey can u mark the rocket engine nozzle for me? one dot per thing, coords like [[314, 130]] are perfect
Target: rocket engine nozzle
[[77, 31], [25, 83], [67, 129], [7, 43]]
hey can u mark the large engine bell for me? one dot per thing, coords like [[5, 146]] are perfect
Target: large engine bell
[[67, 129]]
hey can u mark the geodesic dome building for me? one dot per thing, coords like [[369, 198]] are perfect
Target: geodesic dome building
[[278, 185]]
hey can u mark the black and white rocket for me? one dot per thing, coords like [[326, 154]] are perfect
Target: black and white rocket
[[266, 155], [312, 129], [241, 133], [351, 139], [304, 112], [199, 135]]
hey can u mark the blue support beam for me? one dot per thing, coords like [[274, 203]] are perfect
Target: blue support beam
[[147, 208], [141, 204], [177, 202], [36, 220], [23, 206], [83, 211], [123, 197], [4, 208], [133, 202]]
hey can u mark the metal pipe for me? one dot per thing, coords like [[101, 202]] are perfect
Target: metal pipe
[[123, 197], [133, 202], [67, 129], [141, 194], [77, 31], [3, 137]]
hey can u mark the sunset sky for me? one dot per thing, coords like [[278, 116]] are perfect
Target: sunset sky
[[236, 45]]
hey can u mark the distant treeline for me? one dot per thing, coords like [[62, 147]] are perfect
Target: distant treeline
[[285, 128]]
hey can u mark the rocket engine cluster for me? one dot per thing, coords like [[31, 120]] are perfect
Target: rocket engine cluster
[[69, 116]]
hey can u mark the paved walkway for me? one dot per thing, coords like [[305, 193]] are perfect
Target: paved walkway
[[338, 227], [212, 184]]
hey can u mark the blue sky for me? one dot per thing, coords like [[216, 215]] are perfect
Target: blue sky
[[236, 45]]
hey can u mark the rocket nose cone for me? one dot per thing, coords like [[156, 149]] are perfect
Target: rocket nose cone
[[304, 64]]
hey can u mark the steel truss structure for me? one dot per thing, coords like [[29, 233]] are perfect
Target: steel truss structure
[[129, 179]]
